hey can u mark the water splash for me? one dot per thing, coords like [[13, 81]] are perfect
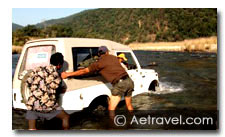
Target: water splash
[[168, 88]]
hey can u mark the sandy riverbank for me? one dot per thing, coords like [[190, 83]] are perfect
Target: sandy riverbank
[[16, 49], [201, 44], [193, 45]]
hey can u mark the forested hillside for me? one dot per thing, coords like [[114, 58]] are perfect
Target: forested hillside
[[127, 25]]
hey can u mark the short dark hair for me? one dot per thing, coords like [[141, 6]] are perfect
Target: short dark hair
[[57, 59]]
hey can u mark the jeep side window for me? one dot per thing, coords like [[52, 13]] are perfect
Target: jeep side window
[[37, 56], [130, 63], [83, 57]]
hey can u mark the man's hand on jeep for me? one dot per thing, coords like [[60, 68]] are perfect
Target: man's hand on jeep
[[64, 75], [80, 72]]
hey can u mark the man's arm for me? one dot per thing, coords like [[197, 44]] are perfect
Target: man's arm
[[65, 75]]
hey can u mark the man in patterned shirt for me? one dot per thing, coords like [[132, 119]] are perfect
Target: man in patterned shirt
[[43, 82]]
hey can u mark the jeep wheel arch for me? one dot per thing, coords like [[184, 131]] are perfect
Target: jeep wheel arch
[[100, 101]]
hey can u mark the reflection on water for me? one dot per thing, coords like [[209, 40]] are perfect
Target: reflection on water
[[187, 81]]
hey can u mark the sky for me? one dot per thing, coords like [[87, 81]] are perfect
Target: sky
[[31, 16]]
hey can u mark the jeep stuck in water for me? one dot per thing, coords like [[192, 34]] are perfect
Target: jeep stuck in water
[[84, 91]]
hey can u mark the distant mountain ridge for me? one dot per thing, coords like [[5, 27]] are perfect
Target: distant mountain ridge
[[16, 26], [63, 20]]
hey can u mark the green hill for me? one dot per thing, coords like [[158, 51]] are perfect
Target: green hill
[[133, 25]]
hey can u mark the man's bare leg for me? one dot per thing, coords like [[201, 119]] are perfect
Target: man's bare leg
[[128, 101], [32, 124], [65, 119], [113, 102]]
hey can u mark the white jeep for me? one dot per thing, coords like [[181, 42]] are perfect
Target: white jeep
[[84, 91]]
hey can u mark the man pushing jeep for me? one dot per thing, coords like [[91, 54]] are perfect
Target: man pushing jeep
[[110, 68]]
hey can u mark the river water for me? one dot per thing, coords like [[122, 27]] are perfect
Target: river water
[[187, 81]]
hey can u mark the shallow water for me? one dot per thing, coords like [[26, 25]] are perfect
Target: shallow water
[[187, 81]]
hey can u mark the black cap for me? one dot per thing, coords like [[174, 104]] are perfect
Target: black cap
[[103, 49]]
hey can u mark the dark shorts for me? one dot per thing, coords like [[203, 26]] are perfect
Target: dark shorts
[[124, 87], [33, 115]]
